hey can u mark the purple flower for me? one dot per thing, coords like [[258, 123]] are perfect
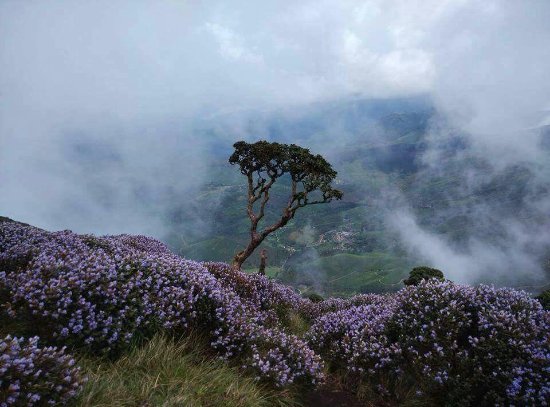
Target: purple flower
[[34, 373]]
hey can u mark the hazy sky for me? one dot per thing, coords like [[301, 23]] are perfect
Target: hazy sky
[[121, 82]]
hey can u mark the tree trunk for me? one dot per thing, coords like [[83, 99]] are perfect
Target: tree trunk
[[240, 257], [257, 238], [263, 261]]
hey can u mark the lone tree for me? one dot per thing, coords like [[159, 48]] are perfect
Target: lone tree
[[418, 274], [263, 163]]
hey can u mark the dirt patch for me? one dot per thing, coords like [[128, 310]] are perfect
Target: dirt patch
[[331, 397]]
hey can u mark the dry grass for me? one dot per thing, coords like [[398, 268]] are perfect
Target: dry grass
[[165, 372], [297, 324]]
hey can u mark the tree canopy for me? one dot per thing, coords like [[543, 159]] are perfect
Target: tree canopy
[[418, 274]]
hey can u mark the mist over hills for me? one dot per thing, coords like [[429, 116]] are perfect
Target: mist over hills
[[119, 118], [411, 182], [417, 190]]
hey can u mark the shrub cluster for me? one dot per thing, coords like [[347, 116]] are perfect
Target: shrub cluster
[[271, 299], [344, 336], [100, 293], [418, 274], [452, 344], [32, 375], [459, 345], [314, 297], [544, 299], [321, 308]]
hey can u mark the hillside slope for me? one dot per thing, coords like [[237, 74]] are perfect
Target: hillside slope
[[146, 326]]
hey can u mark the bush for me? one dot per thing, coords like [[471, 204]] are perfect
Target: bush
[[101, 293], [314, 297], [474, 346], [544, 299], [338, 304], [336, 336], [266, 296], [452, 344], [434, 343], [418, 274], [30, 375]]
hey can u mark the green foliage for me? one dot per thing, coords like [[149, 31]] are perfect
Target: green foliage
[[544, 299], [344, 274], [272, 160], [166, 372], [369, 165], [314, 297], [418, 274], [296, 323]]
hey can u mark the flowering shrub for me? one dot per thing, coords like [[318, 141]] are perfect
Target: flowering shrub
[[99, 293], [459, 345], [257, 289], [31, 375], [275, 302], [454, 344], [338, 304], [344, 336], [284, 358], [477, 345]]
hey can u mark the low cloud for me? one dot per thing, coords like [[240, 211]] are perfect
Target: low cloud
[[509, 263], [109, 110]]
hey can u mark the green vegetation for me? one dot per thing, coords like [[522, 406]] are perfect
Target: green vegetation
[[382, 169], [418, 274], [296, 323], [168, 372], [345, 274], [355, 250], [544, 299], [314, 297]]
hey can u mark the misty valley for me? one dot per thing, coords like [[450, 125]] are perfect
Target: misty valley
[[483, 212], [275, 203]]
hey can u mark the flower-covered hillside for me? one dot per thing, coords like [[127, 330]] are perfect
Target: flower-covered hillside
[[442, 343], [437, 343], [98, 294]]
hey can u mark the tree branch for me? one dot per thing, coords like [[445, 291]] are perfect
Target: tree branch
[[255, 193], [250, 204]]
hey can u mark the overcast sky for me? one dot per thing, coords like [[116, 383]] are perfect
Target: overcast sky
[[124, 74]]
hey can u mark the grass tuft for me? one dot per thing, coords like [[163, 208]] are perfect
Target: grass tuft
[[168, 372], [296, 323]]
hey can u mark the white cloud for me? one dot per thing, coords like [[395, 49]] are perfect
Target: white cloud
[[127, 71], [231, 45], [480, 261]]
